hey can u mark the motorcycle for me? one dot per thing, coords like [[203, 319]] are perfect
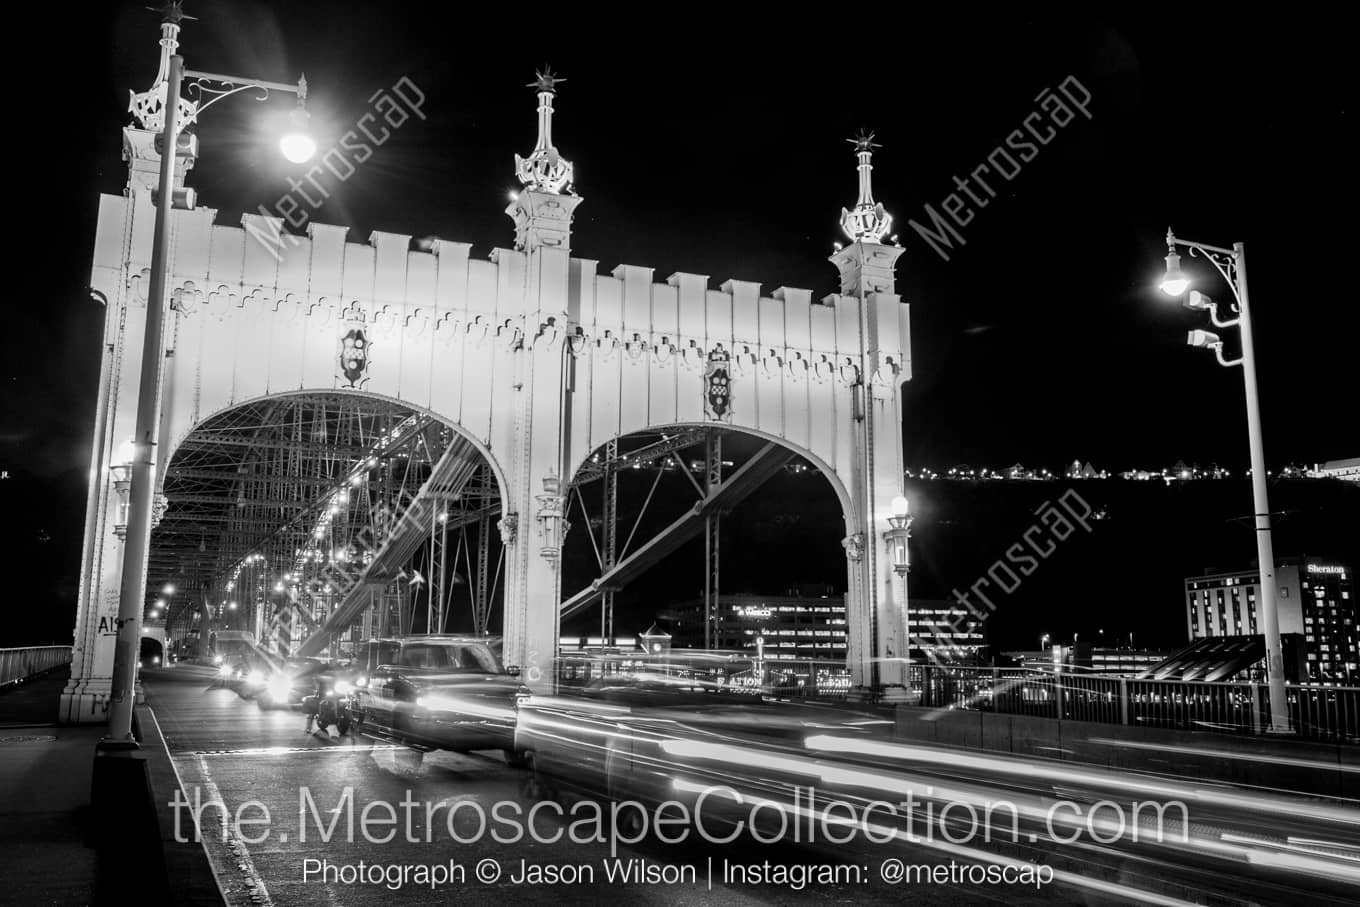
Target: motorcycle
[[334, 703]]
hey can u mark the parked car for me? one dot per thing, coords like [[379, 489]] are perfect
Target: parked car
[[438, 692]]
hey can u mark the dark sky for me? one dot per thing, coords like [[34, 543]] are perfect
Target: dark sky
[[716, 146], [713, 143]]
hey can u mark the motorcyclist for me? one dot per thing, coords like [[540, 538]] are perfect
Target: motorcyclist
[[311, 705], [325, 683]]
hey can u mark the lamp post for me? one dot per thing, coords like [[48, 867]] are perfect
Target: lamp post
[[1231, 264], [899, 521], [151, 109]]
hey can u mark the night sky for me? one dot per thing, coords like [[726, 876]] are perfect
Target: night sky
[[713, 144]]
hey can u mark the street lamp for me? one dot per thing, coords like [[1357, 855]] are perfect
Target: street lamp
[[897, 536], [162, 105], [121, 470], [900, 521], [1231, 264]]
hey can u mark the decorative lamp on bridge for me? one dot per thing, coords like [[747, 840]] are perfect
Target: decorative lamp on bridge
[[1231, 265], [121, 470], [897, 536]]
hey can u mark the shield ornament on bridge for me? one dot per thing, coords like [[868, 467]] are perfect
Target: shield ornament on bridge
[[718, 386], [354, 357]]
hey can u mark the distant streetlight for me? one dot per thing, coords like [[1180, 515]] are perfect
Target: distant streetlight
[[1231, 265]]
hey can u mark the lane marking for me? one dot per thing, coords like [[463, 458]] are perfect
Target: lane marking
[[259, 892], [1223, 754], [286, 750]]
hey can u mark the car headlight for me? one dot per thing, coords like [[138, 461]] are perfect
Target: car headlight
[[255, 678], [280, 687], [224, 671], [422, 702], [343, 687], [361, 681]]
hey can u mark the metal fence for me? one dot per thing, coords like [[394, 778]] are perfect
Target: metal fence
[[17, 664], [1316, 712]]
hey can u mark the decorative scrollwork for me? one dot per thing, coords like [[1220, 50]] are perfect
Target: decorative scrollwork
[[148, 108]]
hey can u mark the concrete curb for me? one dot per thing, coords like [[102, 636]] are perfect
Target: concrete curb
[[188, 873], [133, 827]]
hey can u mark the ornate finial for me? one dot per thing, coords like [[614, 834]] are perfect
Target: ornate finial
[[545, 80], [148, 107], [868, 221], [545, 170], [173, 13], [864, 141]]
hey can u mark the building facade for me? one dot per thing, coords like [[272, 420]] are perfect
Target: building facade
[[1316, 602], [805, 626], [1348, 470], [1087, 659]]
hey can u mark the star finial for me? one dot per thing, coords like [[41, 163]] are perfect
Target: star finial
[[173, 12], [546, 81], [867, 221], [864, 141]]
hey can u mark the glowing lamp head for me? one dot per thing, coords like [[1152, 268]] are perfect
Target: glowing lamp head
[[900, 506], [1175, 283], [297, 145]]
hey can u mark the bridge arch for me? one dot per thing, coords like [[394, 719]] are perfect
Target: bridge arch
[[531, 355], [272, 478], [179, 433]]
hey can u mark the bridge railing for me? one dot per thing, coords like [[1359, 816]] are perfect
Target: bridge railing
[[1316, 712], [18, 664]]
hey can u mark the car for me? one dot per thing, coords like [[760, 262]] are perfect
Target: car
[[286, 685], [438, 691], [642, 730]]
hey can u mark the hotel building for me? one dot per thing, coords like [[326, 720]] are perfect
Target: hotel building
[[1315, 600]]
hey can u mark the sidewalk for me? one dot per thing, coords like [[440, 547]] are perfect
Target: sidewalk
[[48, 832], [44, 798]]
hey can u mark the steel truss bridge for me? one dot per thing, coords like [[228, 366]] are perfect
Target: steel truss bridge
[[313, 521]]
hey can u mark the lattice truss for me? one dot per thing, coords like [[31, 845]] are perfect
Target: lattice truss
[[278, 512], [627, 538]]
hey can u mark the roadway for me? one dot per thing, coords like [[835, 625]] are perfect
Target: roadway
[[1242, 847]]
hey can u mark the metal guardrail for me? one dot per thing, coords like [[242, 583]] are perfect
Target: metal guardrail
[[18, 664], [1316, 712]]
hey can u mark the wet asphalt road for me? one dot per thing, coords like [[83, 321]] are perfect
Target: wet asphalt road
[[424, 840]]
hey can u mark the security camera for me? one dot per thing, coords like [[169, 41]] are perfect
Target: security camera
[[1207, 339], [1198, 301]]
